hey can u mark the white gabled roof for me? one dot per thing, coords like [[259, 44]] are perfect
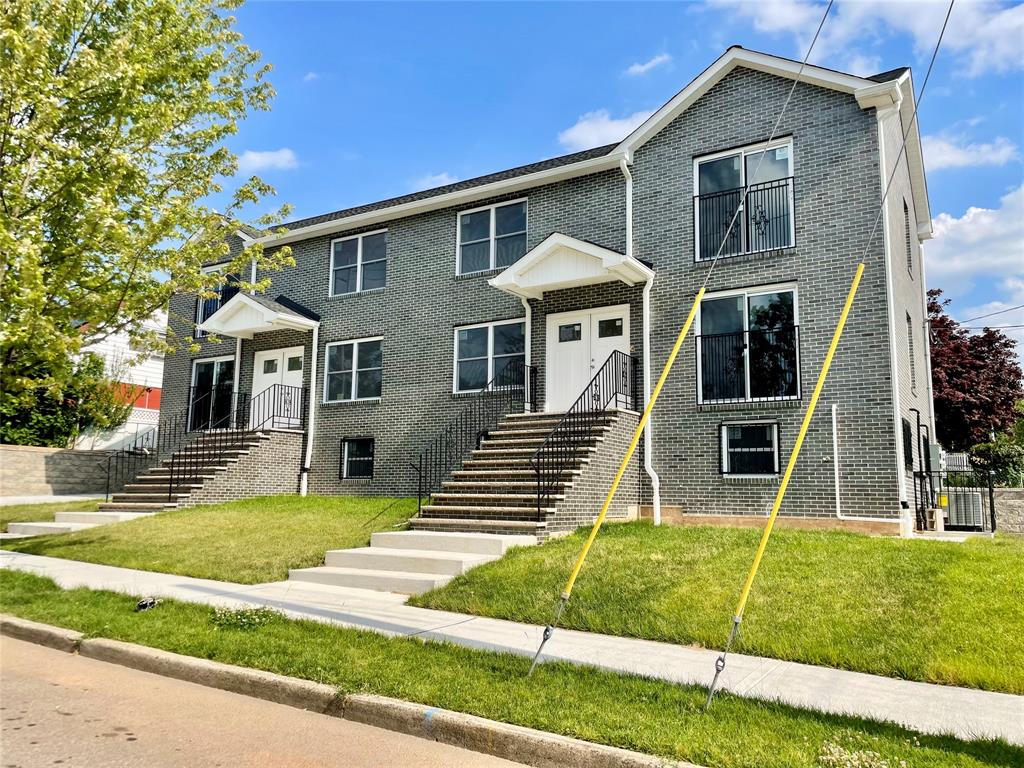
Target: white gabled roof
[[561, 261], [243, 315]]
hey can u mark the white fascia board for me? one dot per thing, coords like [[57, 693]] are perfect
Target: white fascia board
[[450, 199], [915, 160], [726, 63]]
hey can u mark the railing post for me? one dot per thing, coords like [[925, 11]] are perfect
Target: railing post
[[991, 500]]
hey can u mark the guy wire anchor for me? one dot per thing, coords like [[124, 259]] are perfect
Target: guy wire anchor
[[720, 661], [549, 630]]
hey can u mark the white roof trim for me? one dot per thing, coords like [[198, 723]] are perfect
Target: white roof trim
[[242, 317], [561, 261]]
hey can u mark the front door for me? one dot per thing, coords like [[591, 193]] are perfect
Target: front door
[[578, 344], [277, 400], [211, 394]]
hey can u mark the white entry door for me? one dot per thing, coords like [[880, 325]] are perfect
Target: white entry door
[[277, 400], [578, 344]]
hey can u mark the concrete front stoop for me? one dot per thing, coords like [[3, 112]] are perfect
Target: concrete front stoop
[[409, 562]]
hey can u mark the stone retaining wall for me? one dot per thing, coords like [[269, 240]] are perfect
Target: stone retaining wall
[[27, 470], [1010, 510]]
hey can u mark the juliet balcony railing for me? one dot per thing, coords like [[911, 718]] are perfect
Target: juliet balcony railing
[[765, 221], [749, 366]]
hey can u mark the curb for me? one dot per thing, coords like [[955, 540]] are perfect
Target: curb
[[511, 742]]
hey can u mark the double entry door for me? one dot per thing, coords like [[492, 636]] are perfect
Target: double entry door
[[578, 344], [277, 401]]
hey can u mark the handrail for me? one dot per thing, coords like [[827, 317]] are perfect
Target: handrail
[[514, 387], [756, 365], [614, 385], [765, 223]]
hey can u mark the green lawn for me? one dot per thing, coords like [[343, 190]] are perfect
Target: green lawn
[[248, 541], [587, 703], [31, 513], [922, 610]]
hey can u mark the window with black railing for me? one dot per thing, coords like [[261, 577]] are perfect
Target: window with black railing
[[744, 202], [207, 305], [749, 348]]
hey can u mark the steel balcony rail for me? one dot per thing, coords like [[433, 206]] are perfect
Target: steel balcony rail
[[512, 389], [613, 386], [765, 221], [749, 366]]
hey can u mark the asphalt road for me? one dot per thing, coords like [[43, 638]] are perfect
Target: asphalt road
[[57, 709]]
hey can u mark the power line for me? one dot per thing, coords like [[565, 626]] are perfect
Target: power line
[[990, 314], [987, 327]]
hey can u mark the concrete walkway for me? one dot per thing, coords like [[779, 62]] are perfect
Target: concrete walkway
[[8, 501], [963, 712]]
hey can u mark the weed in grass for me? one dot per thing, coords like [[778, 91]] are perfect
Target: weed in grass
[[243, 618]]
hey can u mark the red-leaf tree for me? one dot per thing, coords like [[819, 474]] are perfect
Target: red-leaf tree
[[976, 379]]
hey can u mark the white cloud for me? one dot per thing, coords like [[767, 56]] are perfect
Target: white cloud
[[310, 77], [862, 64], [252, 161], [643, 68], [984, 245], [944, 151], [984, 36], [431, 180], [598, 127]]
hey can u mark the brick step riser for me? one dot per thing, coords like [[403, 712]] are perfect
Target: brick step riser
[[506, 503], [469, 527], [143, 498]]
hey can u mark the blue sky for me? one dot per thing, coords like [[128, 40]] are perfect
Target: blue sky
[[376, 100]]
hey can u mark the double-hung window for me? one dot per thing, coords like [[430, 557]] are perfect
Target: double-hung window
[[750, 449], [207, 305], [359, 263], [483, 352], [356, 458], [353, 370], [748, 346], [491, 237], [765, 218]]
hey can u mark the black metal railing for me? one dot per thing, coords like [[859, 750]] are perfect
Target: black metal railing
[[613, 386], [512, 389], [279, 406], [764, 223], [962, 493], [756, 365]]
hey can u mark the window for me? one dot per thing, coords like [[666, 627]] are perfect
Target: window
[[356, 458], [907, 243], [609, 328], [353, 370], [295, 363], [211, 396], [748, 346], [765, 220], [359, 263], [910, 352], [750, 449], [491, 237], [206, 306], [482, 352], [570, 332]]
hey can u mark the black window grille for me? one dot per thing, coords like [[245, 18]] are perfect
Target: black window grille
[[356, 458]]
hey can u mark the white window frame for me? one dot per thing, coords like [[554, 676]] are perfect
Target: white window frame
[[344, 458], [358, 264], [492, 237], [197, 334], [751, 149], [192, 379], [724, 446], [490, 350], [355, 370], [747, 293]]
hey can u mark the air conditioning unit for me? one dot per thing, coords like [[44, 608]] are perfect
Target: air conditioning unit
[[965, 508]]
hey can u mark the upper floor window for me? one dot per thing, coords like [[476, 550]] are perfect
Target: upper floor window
[[207, 305], [491, 237], [359, 263], [747, 348], [484, 351], [354, 370], [765, 218]]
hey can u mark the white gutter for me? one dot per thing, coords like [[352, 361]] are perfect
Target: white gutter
[[310, 414], [649, 431], [529, 351], [236, 379]]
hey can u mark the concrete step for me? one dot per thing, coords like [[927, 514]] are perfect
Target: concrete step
[[495, 486], [405, 560], [44, 529], [531, 528], [99, 518], [126, 506], [141, 486], [495, 510], [520, 462], [472, 499], [536, 442], [475, 543], [495, 452], [143, 496], [473, 475], [405, 583]]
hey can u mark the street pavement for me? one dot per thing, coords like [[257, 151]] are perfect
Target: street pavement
[[58, 709]]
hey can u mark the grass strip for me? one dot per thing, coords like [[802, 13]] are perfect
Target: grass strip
[[34, 513], [587, 703], [932, 611], [248, 541]]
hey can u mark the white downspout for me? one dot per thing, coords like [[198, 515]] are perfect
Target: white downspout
[[529, 350], [649, 431], [237, 378], [835, 469], [310, 414]]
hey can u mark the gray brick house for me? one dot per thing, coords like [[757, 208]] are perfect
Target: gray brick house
[[528, 283]]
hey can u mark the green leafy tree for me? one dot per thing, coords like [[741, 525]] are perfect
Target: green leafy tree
[[113, 118]]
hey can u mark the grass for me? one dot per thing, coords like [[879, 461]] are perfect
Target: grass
[[32, 513], [248, 541], [635, 713], [921, 610]]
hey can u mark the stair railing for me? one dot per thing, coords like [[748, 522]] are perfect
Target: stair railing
[[613, 386], [279, 406], [513, 389]]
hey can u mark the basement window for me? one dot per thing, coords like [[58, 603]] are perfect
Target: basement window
[[750, 450], [356, 458]]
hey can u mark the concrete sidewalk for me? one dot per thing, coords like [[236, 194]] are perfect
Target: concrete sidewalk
[[963, 712]]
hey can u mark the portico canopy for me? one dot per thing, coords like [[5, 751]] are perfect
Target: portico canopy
[[561, 261], [244, 315]]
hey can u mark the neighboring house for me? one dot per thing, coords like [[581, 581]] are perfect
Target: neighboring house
[[547, 274], [139, 376]]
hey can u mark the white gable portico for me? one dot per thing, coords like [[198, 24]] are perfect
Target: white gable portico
[[244, 315]]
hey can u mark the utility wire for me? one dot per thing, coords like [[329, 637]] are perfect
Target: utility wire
[[991, 314]]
